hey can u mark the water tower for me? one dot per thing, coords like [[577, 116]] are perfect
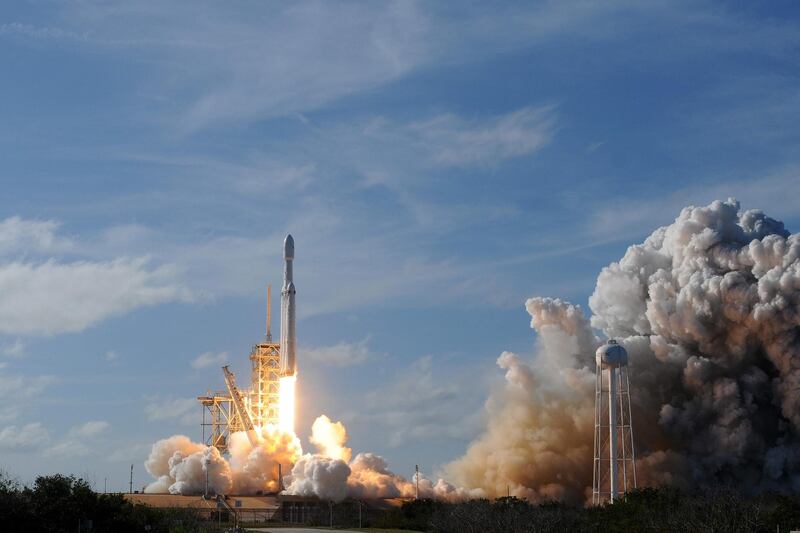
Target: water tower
[[614, 456]]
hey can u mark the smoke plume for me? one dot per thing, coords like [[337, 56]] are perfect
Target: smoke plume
[[538, 442], [180, 465], [707, 308], [329, 473]]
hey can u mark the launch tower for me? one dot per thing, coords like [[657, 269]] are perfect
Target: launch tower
[[265, 377], [613, 432], [236, 409]]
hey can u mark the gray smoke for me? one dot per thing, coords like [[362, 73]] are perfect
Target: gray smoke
[[707, 308]]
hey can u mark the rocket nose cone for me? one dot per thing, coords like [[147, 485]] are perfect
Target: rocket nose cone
[[288, 247]]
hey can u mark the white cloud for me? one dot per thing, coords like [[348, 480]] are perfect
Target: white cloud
[[341, 354], [29, 437], [89, 429], [16, 386], [183, 410], [207, 359], [20, 235], [74, 443], [68, 448], [39, 32], [132, 453], [259, 177], [52, 297], [14, 349], [455, 141], [110, 355], [17, 391], [594, 146], [46, 296]]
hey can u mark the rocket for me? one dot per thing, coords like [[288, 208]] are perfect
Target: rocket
[[288, 335]]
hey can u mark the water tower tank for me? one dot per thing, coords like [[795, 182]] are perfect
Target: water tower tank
[[611, 355]]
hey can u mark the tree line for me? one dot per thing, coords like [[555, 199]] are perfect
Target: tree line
[[650, 509], [59, 503]]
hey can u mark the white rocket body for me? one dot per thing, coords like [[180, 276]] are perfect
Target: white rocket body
[[288, 333]]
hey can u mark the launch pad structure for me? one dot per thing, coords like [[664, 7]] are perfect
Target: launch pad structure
[[226, 412]]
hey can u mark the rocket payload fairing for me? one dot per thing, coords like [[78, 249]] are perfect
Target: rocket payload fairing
[[288, 335]]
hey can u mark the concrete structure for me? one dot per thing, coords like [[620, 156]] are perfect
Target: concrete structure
[[250, 509], [260, 404], [280, 508], [613, 442]]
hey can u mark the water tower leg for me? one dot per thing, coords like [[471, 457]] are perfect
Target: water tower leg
[[612, 429]]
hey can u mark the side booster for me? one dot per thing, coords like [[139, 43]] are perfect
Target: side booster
[[288, 334]]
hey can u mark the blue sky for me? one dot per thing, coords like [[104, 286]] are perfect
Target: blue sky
[[437, 164]]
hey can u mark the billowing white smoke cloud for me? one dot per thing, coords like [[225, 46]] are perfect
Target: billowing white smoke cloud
[[707, 308], [330, 438], [317, 475], [179, 465], [329, 474], [256, 468]]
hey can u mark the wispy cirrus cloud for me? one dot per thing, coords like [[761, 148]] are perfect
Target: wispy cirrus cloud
[[273, 60], [79, 440], [13, 349], [456, 141], [183, 410], [241, 65], [17, 390], [418, 405], [89, 429], [629, 217], [39, 32], [24, 439], [340, 354], [207, 359]]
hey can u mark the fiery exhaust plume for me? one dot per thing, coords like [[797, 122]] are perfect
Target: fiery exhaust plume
[[286, 404]]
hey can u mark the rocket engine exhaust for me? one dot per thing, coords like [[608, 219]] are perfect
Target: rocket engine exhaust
[[286, 404]]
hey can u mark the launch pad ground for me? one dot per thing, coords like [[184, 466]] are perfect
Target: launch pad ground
[[285, 509]]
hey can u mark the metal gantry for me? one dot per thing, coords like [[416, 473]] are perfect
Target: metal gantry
[[239, 402], [220, 419], [259, 405], [265, 391]]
